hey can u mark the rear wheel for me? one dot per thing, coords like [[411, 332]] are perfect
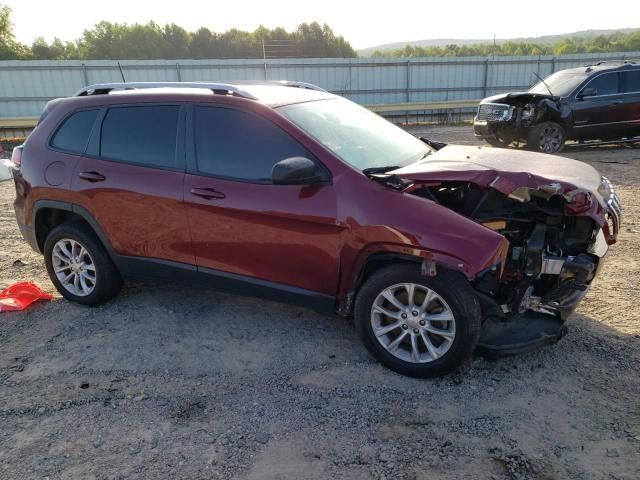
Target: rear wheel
[[546, 137], [415, 325], [79, 266]]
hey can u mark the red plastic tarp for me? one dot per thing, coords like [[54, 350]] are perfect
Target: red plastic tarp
[[20, 295]]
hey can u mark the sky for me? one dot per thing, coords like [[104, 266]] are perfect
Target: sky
[[362, 23]]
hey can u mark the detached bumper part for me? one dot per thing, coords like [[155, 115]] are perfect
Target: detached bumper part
[[523, 333]]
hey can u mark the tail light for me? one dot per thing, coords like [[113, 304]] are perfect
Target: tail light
[[16, 157]]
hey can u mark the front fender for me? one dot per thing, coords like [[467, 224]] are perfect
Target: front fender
[[411, 226]]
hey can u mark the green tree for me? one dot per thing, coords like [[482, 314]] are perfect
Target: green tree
[[615, 42], [9, 48]]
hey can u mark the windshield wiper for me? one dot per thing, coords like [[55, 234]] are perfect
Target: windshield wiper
[[375, 170], [544, 83]]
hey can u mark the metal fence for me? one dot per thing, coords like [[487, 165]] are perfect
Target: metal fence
[[25, 86]]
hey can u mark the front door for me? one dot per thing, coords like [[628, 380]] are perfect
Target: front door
[[243, 224], [599, 108]]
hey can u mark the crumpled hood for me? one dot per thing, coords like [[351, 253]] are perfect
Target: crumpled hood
[[505, 97], [513, 172]]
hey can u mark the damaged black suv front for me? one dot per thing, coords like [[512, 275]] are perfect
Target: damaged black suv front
[[593, 103], [559, 217], [535, 119]]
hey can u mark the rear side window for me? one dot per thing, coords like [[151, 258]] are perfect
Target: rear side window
[[631, 81], [73, 135], [606, 84], [235, 144], [143, 135]]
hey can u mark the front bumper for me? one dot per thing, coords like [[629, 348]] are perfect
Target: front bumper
[[481, 129], [498, 130]]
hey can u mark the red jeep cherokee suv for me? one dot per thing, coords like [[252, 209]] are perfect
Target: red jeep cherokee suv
[[282, 190]]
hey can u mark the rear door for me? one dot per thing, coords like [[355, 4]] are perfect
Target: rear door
[[243, 224], [131, 181], [599, 108], [631, 90]]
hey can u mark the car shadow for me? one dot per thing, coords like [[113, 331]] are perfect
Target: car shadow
[[192, 331]]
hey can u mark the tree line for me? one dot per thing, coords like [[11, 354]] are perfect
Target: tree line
[[615, 42], [118, 41]]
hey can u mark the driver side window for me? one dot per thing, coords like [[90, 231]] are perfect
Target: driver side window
[[607, 84], [238, 145]]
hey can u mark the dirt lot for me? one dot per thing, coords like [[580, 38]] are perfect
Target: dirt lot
[[184, 383]]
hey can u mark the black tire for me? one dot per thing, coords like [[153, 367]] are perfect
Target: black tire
[[453, 287], [546, 137], [108, 281]]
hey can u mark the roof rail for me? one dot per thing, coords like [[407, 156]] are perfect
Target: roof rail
[[617, 62], [283, 83], [218, 88], [609, 62]]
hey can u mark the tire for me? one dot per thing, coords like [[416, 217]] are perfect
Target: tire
[[546, 137], [453, 292], [94, 264]]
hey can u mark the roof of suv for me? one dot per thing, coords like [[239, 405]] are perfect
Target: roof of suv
[[272, 94], [603, 67]]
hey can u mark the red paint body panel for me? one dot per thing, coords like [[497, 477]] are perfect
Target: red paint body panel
[[280, 233], [316, 238], [140, 209], [384, 220]]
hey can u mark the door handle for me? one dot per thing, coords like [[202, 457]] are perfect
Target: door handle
[[207, 193], [92, 176]]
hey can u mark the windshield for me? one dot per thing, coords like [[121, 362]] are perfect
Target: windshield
[[356, 135], [560, 83]]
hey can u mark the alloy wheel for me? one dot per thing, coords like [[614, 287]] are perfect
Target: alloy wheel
[[74, 267], [413, 323], [550, 139]]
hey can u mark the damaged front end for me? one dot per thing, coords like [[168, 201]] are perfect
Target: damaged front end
[[558, 231], [507, 118]]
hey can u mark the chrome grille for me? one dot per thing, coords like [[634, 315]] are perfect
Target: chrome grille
[[494, 112], [613, 202]]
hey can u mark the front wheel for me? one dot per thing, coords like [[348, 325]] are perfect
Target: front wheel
[[415, 325], [546, 137]]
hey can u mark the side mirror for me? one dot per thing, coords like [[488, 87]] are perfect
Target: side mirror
[[588, 92], [295, 171]]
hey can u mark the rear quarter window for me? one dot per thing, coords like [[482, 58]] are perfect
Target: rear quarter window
[[73, 135]]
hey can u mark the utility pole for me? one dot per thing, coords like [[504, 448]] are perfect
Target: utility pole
[[264, 58]]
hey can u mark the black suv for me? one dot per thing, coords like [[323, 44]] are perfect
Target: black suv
[[596, 102]]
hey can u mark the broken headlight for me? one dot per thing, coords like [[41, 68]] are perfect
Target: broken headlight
[[528, 111]]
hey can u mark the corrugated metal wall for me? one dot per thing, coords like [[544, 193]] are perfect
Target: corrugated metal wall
[[25, 86]]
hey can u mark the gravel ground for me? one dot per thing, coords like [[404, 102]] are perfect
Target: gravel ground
[[169, 382]]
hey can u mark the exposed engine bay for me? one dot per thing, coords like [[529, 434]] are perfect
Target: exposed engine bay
[[558, 220], [552, 255]]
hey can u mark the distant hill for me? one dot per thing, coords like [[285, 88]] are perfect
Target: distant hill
[[441, 42]]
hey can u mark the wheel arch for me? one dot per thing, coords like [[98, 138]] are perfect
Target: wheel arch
[[48, 214], [373, 259]]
